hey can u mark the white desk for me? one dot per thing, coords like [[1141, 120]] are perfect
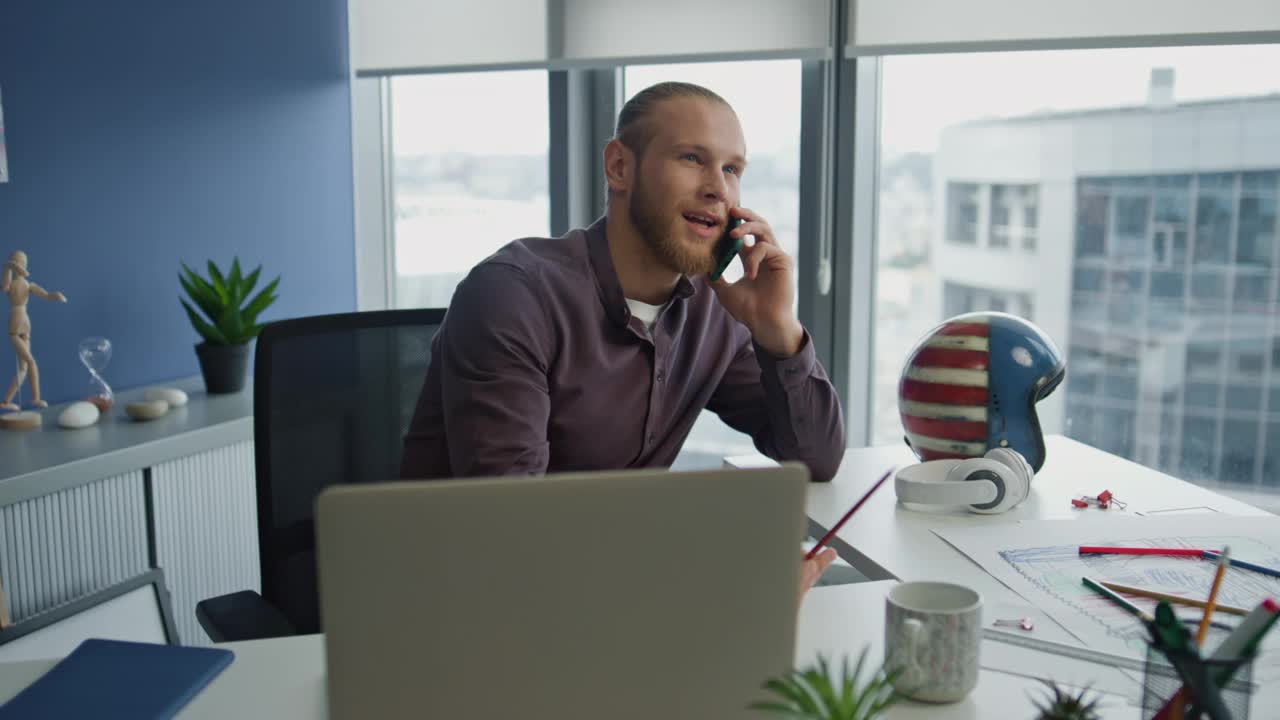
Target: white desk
[[284, 678], [900, 543]]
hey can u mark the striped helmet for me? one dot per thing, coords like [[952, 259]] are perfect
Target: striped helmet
[[972, 385]]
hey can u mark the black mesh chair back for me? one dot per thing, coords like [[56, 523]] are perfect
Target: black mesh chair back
[[333, 396]]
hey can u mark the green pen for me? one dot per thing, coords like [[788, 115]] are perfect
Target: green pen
[[1165, 628], [1175, 636], [1118, 601]]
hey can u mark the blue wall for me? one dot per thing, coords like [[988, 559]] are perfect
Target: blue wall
[[142, 133]]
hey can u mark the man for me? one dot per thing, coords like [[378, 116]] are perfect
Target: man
[[599, 349]]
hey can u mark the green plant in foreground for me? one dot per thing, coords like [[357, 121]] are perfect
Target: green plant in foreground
[[822, 692], [1061, 705]]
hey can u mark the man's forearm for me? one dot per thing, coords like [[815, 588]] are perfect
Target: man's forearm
[[805, 418]]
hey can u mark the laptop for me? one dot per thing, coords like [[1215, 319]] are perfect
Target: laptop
[[634, 594]]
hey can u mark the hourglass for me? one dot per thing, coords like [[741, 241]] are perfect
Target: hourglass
[[95, 353]]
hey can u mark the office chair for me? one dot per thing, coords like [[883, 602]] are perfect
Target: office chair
[[332, 398]]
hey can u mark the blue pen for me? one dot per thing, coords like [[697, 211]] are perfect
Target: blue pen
[[1211, 555]]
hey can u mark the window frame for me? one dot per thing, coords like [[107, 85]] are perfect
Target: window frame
[[839, 186]]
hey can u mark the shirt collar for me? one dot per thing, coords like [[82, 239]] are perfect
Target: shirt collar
[[615, 304]]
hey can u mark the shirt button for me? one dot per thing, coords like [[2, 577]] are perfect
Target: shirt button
[[651, 438], [660, 376]]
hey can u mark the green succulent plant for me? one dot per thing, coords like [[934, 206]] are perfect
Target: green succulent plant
[[230, 317], [1059, 704], [822, 692]]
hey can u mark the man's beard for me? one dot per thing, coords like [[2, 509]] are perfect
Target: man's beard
[[670, 250]]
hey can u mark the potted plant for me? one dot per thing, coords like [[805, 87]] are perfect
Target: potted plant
[[229, 322], [1059, 704], [822, 692]]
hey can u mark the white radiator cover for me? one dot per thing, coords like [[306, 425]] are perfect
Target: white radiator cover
[[206, 530], [68, 544]]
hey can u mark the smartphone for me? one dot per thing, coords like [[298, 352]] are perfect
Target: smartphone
[[726, 249]]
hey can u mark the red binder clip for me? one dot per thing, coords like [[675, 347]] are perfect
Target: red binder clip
[[1103, 501], [1106, 500]]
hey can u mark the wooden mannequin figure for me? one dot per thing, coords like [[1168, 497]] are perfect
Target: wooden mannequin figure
[[15, 284]]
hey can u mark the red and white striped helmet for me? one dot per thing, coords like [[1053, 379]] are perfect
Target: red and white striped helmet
[[972, 383]]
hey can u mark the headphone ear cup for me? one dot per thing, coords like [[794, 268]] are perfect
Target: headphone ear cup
[[1013, 459], [1018, 479], [992, 471]]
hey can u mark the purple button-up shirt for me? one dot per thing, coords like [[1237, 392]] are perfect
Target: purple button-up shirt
[[540, 367]]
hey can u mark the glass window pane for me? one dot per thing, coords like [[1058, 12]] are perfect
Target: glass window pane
[[1091, 225], [1244, 397], [1252, 292], [1167, 285], [1199, 436], [1213, 218], [1271, 457], [1239, 448], [1161, 221], [962, 213], [1087, 279], [1130, 239], [1257, 229], [467, 180]]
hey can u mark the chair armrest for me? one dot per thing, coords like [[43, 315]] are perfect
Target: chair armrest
[[243, 615]]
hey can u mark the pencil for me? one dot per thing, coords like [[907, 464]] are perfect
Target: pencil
[[1118, 601], [1178, 599], [836, 528], [1108, 550], [1223, 560], [1246, 565]]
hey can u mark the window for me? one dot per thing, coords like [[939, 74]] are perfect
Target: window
[[959, 299], [1013, 216], [469, 174], [1257, 218], [962, 213], [1158, 224], [766, 97]]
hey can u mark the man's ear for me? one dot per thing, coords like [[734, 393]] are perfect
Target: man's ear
[[619, 166]]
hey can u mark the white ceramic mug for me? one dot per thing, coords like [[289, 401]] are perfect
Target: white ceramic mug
[[933, 631]]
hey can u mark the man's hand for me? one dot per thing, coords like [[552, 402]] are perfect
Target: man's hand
[[764, 298], [811, 570]]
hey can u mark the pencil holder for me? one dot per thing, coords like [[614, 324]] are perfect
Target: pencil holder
[[1224, 686]]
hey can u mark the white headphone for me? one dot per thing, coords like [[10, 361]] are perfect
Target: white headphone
[[990, 484]]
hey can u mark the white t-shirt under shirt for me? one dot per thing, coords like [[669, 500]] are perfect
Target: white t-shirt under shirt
[[646, 313]]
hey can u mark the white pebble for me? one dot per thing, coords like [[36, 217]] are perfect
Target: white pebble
[[173, 396], [80, 414], [149, 410]]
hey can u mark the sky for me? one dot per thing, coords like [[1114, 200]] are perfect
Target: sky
[[506, 112], [922, 94]]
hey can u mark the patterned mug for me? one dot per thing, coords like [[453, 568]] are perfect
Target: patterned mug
[[932, 632]]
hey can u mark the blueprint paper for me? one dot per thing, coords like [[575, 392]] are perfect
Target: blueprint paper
[[1041, 562]]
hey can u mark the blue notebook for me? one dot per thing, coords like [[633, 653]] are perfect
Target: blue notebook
[[114, 679]]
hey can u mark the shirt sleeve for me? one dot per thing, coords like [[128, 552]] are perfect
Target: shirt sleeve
[[787, 405], [494, 362]]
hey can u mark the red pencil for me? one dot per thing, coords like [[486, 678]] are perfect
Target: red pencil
[[836, 528], [1108, 550]]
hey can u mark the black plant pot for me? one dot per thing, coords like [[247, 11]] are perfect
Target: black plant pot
[[224, 366]]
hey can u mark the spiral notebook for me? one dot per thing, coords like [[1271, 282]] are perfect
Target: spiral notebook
[[115, 679]]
